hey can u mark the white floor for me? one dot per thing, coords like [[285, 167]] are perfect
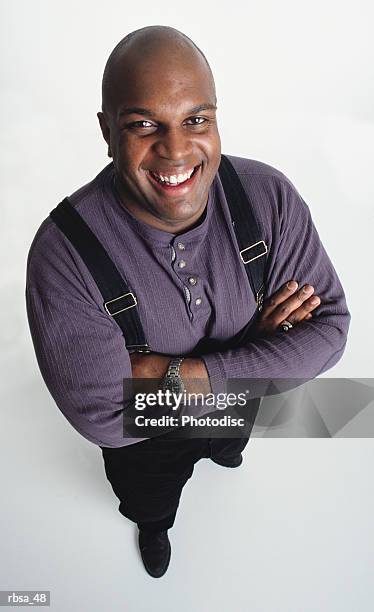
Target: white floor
[[290, 530]]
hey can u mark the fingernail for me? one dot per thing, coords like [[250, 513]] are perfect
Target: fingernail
[[314, 300], [292, 285], [308, 289]]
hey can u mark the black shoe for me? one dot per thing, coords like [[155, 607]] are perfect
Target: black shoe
[[155, 550], [233, 463]]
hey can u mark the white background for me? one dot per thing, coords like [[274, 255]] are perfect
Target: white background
[[292, 528]]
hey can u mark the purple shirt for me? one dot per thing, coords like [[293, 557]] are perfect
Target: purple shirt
[[81, 350]]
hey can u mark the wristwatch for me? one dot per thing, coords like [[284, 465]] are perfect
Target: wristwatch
[[172, 380]]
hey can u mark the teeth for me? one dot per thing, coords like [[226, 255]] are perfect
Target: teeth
[[174, 179]]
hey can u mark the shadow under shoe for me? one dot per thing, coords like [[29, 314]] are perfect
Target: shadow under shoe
[[155, 551]]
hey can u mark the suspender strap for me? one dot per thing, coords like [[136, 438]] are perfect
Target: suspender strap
[[119, 301], [248, 234]]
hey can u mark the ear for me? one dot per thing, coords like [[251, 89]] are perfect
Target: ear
[[105, 130]]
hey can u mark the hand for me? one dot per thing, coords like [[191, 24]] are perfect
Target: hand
[[287, 303], [149, 365]]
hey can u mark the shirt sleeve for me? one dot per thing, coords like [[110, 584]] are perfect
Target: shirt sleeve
[[311, 347], [80, 351]]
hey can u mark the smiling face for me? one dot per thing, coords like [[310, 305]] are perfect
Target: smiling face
[[161, 129]]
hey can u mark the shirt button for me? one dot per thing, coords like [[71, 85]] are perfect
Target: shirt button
[[182, 264], [198, 301], [181, 246], [192, 280]]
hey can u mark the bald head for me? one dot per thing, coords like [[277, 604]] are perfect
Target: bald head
[[141, 48]]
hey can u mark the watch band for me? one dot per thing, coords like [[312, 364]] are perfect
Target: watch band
[[174, 368]]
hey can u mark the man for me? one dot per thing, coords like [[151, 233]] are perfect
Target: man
[[160, 212]]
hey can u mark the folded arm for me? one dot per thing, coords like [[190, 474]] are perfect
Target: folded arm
[[311, 347]]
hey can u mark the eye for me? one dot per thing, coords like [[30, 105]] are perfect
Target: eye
[[142, 124], [196, 120]]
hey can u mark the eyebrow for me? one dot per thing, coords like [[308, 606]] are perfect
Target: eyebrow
[[138, 110]]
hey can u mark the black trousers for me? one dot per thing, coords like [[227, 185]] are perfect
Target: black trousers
[[148, 476]]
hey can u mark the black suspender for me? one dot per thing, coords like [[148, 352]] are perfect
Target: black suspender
[[248, 234], [119, 301]]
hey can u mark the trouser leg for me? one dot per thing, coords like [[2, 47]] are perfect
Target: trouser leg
[[162, 525], [148, 477], [227, 449]]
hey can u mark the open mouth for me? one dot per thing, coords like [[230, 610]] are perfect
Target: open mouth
[[176, 182]]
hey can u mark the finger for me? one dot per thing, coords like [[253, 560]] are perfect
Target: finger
[[304, 310], [279, 297], [289, 306]]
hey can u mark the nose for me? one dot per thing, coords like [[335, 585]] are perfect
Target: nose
[[174, 145]]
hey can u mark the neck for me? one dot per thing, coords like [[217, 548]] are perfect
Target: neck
[[173, 226]]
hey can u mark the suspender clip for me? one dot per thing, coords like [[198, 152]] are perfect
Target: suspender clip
[[139, 348], [122, 305], [260, 250], [260, 297]]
